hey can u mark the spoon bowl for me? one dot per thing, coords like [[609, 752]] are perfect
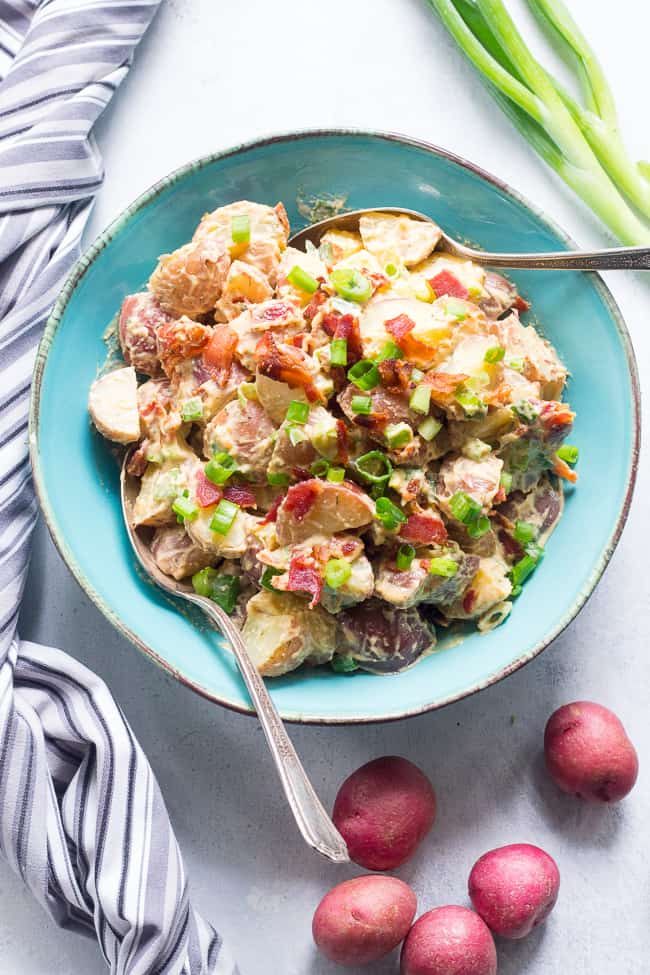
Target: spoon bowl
[[613, 259]]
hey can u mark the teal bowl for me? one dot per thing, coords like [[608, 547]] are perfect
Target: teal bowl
[[311, 172]]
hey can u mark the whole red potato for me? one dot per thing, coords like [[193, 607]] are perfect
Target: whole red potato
[[449, 941], [362, 920], [383, 811], [514, 888], [588, 753]]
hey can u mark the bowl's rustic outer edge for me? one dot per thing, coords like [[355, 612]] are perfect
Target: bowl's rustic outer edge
[[115, 226]]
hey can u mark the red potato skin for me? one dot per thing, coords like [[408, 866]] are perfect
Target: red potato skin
[[514, 888], [588, 753], [361, 920], [449, 941], [383, 811]]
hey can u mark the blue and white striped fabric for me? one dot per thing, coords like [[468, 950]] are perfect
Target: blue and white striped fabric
[[82, 820]]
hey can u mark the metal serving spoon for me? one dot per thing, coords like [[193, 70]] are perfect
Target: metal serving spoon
[[317, 828], [615, 259]]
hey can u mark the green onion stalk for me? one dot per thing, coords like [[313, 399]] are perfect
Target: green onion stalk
[[582, 144]]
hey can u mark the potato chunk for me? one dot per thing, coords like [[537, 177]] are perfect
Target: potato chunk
[[113, 405], [189, 281], [390, 236], [489, 587], [281, 633], [176, 554], [321, 507]]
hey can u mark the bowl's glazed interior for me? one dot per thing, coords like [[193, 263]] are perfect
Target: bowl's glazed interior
[[312, 173]]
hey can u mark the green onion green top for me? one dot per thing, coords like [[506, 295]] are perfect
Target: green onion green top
[[339, 352], [351, 284], [364, 374], [568, 453], [223, 517], [240, 228], [220, 468], [302, 280], [297, 411], [337, 573]]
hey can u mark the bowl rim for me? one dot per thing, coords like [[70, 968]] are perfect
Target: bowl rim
[[115, 226]]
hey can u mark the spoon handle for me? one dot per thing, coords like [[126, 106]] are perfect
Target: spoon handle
[[616, 259], [317, 828]]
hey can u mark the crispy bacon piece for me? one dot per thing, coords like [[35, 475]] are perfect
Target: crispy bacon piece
[[301, 474], [424, 529], [521, 304], [500, 496], [342, 441], [301, 497], [444, 385], [207, 493], [469, 599], [137, 464], [563, 470], [318, 298], [446, 283], [555, 415], [272, 513], [286, 364], [348, 547], [395, 373], [219, 353], [178, 340], [282, 217], [346, 327], [400, 328], [240, 495], [304, 577]]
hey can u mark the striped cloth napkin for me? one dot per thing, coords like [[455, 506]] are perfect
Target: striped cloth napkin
[[82, 820]]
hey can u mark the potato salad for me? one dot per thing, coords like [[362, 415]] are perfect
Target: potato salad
[[347, 448]]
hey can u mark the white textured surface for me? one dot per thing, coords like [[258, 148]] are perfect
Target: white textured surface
[[208, 76]]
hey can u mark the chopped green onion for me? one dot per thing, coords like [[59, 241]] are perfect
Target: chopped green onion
[[374, 467], [185, 509], [351, 284], [398, 435], [522, 569], [277, 480], [336, 474], [343, 663], [225, 590], [495, 354], [464, 508], [240, 228], [535, 551], [220, 468], [391, 269], [475, 449], [361, 404], [456, 308], [526, 411], [568, 453], [405, 555], [429, 428], [472, 404], [320, 467], [524, 532], [246, 392], [339, 352], [420, 400], [337, 573], [223, 517], [390, 350], [297, 411], [192, 409], [364, 374], [389, 514], [517, 363], [203, 581], [506, 481], [296, 436], [302, 280], [478, 527], [267, 575], [582, 143], [443, 566]]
